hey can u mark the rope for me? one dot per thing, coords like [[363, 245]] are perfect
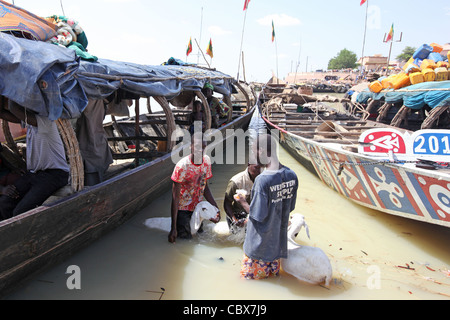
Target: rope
[[121, 78]]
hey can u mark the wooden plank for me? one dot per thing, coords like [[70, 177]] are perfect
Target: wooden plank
[[326, 133], [140, 138]]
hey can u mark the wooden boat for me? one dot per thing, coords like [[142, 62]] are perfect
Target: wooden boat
[[386, 168], [47, 235]]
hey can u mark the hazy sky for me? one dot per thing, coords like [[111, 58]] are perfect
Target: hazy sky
[[152, 31]]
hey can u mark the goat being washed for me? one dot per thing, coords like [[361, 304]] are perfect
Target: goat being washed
[[308, 264], [203, 211]]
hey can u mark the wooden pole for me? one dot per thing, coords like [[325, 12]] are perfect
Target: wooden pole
[[364, 39], [240, 50], [202, 53], [243, 67], [136, 130]]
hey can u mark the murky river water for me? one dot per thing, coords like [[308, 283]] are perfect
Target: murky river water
[[369, 251]]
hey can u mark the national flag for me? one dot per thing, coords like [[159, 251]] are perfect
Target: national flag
[[189, 48], [273, 32], [390, 36], [362, 2], [246, 4], [209, 50]]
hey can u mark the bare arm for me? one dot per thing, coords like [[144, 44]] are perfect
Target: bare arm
[[174, 211], [228, 207], [244, 204], [208, 196]]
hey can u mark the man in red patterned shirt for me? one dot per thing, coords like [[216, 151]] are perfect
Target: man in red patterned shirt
[[190, 187]]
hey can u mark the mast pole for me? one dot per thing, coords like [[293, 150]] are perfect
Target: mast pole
[[240, 50], [364, 39]]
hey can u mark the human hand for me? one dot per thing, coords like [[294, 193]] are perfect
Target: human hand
[[9, 191], [240, 198], [172, 235]]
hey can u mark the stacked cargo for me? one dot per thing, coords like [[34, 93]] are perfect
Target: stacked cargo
[[427, 64]]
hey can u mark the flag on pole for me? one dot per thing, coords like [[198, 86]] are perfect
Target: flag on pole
[[390, 36], [246, 4], [189, 48], [209, 50], [273, 32], [362, 2]]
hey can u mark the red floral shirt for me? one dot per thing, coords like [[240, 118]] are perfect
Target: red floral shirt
[[192, 179]]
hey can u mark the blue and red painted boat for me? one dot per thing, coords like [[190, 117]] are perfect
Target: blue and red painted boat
[[391, 169]]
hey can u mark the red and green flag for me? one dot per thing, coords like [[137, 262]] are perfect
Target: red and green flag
[[273, 32], [246, 4], [189, 48], [390, 36], [209, 50]]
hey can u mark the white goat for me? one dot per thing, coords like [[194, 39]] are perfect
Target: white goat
[[308, 264], [203, 211], [221, 232]]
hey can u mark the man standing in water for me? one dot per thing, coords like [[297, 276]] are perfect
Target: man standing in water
[[236, 214], [274, 195], [190, 186]]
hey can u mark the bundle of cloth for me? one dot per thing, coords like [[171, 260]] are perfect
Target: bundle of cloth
[[70, 34]]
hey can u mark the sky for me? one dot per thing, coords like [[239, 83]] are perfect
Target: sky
[[307, 33]]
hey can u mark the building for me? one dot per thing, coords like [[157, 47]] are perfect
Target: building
[[373, 62]]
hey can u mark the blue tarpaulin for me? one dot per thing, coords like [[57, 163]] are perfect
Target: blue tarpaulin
[[433, 93], [54, 82], [102, 78], [39, 76]]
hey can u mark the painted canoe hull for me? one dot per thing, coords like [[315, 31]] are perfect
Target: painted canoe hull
[[45, 236], [394, 189]]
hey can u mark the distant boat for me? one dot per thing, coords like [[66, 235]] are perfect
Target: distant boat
[[390, 169]]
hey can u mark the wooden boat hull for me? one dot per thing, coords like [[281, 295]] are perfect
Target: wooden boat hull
[[394, 189], [46, 236]]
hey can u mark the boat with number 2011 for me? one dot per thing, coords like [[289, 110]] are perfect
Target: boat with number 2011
[[386, 168]]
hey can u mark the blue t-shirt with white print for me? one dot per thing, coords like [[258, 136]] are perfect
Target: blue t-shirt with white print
[[273, 198]]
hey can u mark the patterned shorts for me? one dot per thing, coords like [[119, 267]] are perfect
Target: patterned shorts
[[252, 269]]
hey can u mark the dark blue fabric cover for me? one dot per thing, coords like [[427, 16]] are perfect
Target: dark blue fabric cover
[[54, 82]]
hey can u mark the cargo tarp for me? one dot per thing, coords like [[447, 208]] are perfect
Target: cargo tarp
[[433, 93], [13, 19], [102, 78], [52, 81], [40, 77]]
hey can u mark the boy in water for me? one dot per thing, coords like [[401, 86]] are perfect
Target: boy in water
[[274, 195], [190, 186]]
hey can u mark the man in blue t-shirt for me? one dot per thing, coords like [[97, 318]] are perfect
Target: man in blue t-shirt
[[273, 198]]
